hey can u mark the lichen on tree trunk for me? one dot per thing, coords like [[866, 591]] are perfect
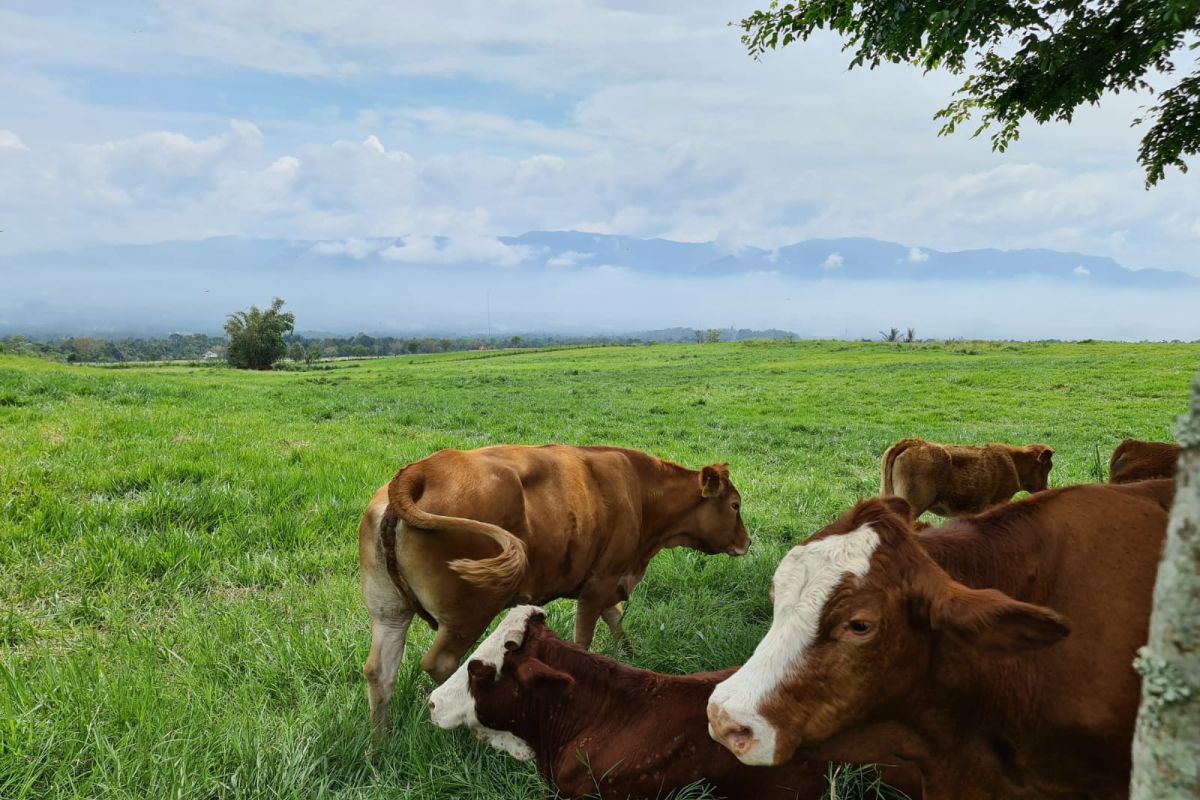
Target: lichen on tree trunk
[[1166, 744]]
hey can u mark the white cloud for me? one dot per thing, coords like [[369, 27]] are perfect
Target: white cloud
[[917, 256], [1081, 271], [568, 259], [833, 261], [642, 118], [417, 249], [357, 249], [10, 141]]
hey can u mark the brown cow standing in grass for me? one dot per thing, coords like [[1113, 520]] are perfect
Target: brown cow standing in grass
[[597, 728], [1005, 642], [1134, 460], [954, 480], [460, 535]]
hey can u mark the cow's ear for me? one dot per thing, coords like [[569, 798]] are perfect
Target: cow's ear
[[538, 676], [1046, 454], [480, 670], [713, 479], [898, 506], [879, 507], [993, 622]]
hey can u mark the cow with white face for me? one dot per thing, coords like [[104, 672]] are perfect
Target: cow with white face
[[804, 583], [857, 611], [451, 704], [960, 636], [599, 728]]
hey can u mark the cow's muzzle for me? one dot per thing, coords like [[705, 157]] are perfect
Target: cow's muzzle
[[750, 745], [739, 549]]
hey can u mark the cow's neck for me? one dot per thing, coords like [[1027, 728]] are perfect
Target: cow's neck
[[605, 690], [552, 724], [669, 492], [1000, 551], [1026, 465]]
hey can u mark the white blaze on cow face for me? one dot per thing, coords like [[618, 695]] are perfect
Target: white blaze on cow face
[[804, 581], [451, 704]]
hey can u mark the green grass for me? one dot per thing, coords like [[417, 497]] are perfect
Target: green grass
[[179, 611]]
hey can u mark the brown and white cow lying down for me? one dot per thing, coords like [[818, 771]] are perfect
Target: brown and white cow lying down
[[1134, 460], [596, 727], [460, 535], [1004, 642], [954, 480]]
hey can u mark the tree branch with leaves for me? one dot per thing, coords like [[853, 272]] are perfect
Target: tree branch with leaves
[[1023, 58]]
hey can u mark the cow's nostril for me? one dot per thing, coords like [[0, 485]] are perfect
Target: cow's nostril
[[740, 738], [431, 705]]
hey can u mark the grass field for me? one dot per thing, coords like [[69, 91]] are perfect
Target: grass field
[[179, 609]]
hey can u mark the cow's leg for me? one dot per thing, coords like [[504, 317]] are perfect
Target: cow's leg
[[612, 617], [449, 646], [390, 618], [919, 496], [591, 605]]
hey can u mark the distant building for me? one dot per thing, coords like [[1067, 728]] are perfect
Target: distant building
[[211, 355]]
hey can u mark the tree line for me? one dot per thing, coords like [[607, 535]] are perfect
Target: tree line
[[303, 348]]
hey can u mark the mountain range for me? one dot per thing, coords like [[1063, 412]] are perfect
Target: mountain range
[[560, 251]]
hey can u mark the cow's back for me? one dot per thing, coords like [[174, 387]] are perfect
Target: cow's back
[[978, 476], [954, 479], [569, 505]]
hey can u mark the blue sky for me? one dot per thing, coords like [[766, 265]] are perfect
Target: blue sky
[[137, 122]]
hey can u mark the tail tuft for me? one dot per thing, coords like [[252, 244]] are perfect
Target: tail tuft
[[500, 573]]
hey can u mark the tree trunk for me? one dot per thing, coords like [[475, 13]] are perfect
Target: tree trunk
[[1166, 745]]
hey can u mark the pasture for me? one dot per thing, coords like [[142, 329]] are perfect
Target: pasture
[[179, 608]]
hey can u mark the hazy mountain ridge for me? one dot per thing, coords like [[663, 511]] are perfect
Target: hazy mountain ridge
[[563, 251]]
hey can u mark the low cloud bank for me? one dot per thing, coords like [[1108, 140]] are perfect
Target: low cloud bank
[[587, 299]]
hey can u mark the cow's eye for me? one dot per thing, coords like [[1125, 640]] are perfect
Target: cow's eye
[[859, 627], [737, 506]]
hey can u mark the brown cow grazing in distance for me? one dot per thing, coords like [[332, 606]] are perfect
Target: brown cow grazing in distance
[[597, 728], [460, 535], [1005, 642], [1134, 460], [955, 480]]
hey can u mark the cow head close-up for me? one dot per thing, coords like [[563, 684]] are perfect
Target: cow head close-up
[[861, 613], [714, 523], [476, 683], [1035, 475]]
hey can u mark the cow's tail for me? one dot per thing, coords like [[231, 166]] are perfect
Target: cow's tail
[[889, 457], [501, 573]]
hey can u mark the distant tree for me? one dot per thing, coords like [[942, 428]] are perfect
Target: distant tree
[[699, 334], [515, 341], [312, 353], [86, 348], [296, 351], [712, 336], [910, 335], [1032, 58], [256, 336], [892, 335]]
